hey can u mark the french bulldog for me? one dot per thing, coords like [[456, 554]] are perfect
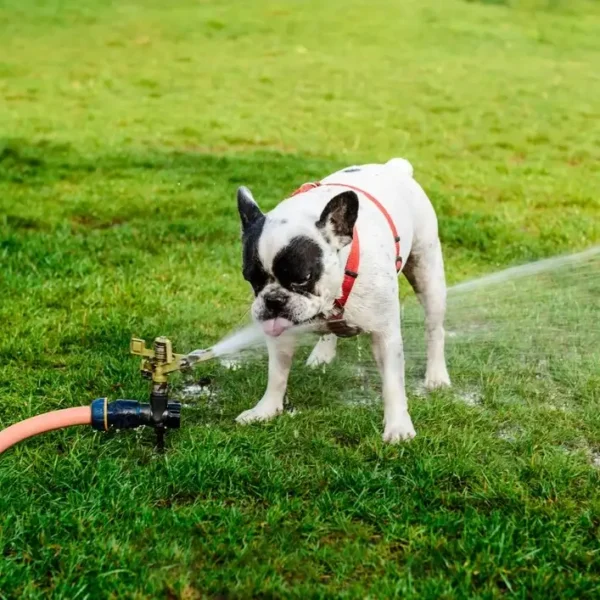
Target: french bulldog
[[296, 259]]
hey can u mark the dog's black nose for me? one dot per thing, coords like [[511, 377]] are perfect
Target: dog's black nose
[[273, 303]]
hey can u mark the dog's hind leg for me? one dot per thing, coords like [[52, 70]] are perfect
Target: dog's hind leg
[[425, 272], [323, 352]]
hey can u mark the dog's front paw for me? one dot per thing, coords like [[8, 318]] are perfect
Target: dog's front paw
[[399, 430], [323, 353], [319, 357], [258, 413], [436, 379]]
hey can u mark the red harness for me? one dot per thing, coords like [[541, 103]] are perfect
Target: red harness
[[353, 262]]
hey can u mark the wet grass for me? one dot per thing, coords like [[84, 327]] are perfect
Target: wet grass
[[126, 129]]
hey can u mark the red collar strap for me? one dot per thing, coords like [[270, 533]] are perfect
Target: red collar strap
[[353, 262]]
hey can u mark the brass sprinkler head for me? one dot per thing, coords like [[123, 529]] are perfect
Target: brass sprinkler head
[[157, 362]]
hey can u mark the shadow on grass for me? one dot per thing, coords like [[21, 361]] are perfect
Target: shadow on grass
[[183, 195]]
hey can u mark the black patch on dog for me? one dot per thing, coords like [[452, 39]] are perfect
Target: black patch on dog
[[341, 212], [352, 170], [253, 269], [298, 266]]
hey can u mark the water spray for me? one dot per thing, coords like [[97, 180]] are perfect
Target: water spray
[[160, 413]]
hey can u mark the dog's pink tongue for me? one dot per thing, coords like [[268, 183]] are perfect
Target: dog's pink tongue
[[275, 327]]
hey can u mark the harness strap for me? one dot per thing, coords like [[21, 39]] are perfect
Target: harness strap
[[353, 261], [350, 275]]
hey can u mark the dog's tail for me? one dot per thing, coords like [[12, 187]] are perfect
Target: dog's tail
[[401, 165]]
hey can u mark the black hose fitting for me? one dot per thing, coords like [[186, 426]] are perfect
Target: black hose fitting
[[129, 414]]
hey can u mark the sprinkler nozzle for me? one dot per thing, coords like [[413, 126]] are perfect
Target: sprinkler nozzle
[[157, 364], [195, 357]]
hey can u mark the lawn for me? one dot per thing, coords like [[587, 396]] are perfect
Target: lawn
[[125, 129]]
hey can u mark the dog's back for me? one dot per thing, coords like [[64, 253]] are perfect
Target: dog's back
[[393, 185]]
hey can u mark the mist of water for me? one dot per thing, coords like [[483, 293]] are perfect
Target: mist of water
[[545, 308], [556, 263]]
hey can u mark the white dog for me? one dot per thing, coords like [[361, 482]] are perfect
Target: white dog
[[330, 254]]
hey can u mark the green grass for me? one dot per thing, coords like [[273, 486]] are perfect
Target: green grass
[[125, 130]]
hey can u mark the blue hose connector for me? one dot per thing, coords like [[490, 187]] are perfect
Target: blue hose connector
[[129, 414]]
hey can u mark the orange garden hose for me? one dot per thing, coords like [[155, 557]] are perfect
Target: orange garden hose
[[81, 415]]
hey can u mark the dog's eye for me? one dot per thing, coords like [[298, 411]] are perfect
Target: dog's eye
[[302, 282]]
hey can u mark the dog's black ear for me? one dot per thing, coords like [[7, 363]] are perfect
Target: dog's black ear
[[247, 207], [337, 220]]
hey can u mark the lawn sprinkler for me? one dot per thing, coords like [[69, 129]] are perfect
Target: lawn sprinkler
[[157, 364]]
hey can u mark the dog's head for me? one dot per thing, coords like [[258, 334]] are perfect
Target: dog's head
[[291, 260]]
